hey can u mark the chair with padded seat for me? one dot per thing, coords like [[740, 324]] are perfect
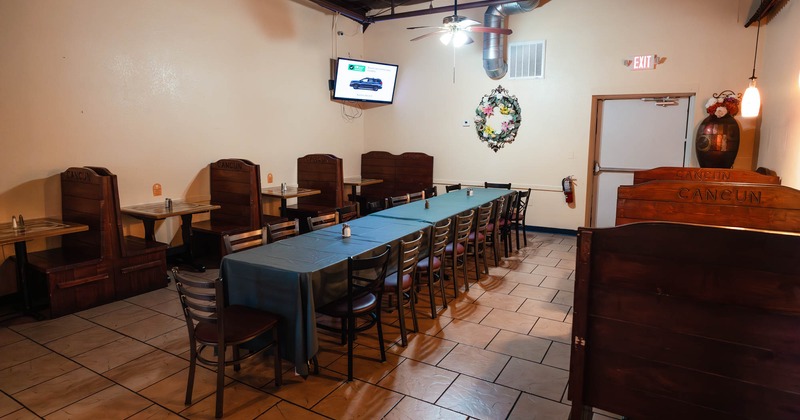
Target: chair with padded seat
[[396, 201], [495, 226], [497, 185], [244, 240], [400, 284], [517, 218], [365, 285], [430, 270], [456, 251], [453, 187], [282, 230], [322, 221], [431, 192], [504, 222], [416, 196], [213, 327], [348, 212], [476, 243]]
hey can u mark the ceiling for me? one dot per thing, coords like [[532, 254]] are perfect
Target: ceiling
[[371, 11]]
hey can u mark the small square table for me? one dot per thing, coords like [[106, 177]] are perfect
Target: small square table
[[291, 192]]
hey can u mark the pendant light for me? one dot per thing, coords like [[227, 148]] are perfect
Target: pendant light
[[751, 102]]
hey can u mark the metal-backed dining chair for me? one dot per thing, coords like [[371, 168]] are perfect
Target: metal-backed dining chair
[[430, 270], [494, 228], [214, 326], [518, 215], [400, 284], [416, 196], [348, 212], [244, 240], [322, 221], [282, 230], [453, 187], [476, 244], [396, 201], [456, 251], [497, 185]]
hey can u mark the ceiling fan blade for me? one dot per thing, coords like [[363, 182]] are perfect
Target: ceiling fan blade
[[467, 23], [423, 27], [430, 34], [502, 31]]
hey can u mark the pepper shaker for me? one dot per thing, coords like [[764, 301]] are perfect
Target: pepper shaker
[[14, 224], [283, 187], [345, 230], [427, 204]]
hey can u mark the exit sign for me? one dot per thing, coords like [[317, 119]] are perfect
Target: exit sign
[[642, 62]]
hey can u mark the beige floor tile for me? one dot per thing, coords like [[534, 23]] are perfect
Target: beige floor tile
[[21, 414], [33, 372], [533, 378], [358, 400], [170, 392], [103, 309], [146, 370], [114, 402], [558, 356], [83, 341], [535, 292], [20, 352], [500, 300], [466, 311], [557, 247], [308, 392], [560, 273], [124, 316], [411, 408], [544, 309], [525, 266], [566, 264], [154, 297], [531, 407], [172, 308], [498, 271], [8, 336], [154, 412], [8, 405], [537, 251], [419, 380], [472, 361], [152, 327], [560, 284], [568, 319], [113, 354], [547, 261], [496, 285], [479, 399], [424, 348], [46, 331], [287, 411], [240, 402], [62, 391], [569, 255], [520, 346], [466, 332], [564, 298], [525, 278], [259, 370], [367, 365], [510, 321], [552, 330], [175, 341], [426, 324]]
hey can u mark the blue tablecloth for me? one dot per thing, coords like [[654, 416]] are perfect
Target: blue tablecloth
[[292, 277]]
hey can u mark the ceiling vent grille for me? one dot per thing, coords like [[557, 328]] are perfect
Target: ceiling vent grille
[[526, 60]]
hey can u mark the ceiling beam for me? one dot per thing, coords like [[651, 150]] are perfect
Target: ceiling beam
[[351, 14], [434, 10]]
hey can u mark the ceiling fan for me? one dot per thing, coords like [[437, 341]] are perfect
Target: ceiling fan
[[454, 28]]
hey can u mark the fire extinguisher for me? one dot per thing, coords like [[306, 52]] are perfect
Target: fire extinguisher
[[566, 186]]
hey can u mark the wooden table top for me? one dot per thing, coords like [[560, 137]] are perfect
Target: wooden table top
[[159, 211], [357, 180], [291, 192], [38, 228]]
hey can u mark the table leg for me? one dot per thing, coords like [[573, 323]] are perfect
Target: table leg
[[283, 207], [21, 252], [186, 234], [149, 229]]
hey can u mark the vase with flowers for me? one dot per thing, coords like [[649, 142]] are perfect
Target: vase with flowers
[[717, 141]]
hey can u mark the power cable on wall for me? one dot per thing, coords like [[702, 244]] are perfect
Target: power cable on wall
[[350, 111]]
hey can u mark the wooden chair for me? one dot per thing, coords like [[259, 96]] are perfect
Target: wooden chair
[[495, 227], [365, 285], [504, 222], [430, 270], [396, 201], [348, 212], [431, 192], [517, 218], [282, 230], [453, 187], [456, 251], [400, 284], [416, 196], [476, 245], [246, 240], [497, 185], [320, 172], [323, 221], [212, 324]]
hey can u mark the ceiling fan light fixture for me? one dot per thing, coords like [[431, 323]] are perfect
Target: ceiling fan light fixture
[[446, 37], [460, 38]]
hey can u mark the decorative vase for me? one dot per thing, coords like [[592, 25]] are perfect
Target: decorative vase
[[717, 141]]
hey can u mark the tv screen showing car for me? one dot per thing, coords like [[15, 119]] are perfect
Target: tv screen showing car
[[366, 81]]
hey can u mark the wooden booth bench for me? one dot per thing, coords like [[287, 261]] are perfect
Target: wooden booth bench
[[323, 172], [668, 173], [401, 174], [678, 320]]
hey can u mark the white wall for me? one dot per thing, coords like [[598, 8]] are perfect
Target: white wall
[[705, 43]]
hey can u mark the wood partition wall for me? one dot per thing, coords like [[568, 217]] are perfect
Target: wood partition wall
[[667, 173], [323, 172], [401, 174]]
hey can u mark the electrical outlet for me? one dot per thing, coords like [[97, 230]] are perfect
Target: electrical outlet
[[465, 123]]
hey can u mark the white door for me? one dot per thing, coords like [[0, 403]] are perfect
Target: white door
[[635, 134]]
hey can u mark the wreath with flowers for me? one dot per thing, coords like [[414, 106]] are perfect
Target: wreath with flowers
[[724, 103], [497, 118]]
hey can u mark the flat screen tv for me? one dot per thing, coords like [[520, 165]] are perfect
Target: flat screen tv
[[365, 81]]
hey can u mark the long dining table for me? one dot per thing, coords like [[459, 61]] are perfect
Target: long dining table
[[293, 277]]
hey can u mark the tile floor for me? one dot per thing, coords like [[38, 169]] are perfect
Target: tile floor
[[499, 351]]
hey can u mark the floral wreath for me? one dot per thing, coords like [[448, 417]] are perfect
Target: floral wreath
[[724, 103], [498, 104]]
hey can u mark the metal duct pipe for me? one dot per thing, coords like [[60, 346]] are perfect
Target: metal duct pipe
[[494, 45]]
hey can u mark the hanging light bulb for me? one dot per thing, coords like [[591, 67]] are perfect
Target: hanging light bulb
[[446, 37], [460, 38], [751, 102]]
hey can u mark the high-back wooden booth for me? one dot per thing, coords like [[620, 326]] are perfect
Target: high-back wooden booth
[[322, 172], [401, 174], [668, 173]]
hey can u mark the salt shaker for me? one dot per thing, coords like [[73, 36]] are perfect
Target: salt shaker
[[14, 224], [21, 222], [345, 230], [283, 187], [167, 203]]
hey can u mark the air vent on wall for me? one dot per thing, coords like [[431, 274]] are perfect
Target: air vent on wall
[[526, 60]]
